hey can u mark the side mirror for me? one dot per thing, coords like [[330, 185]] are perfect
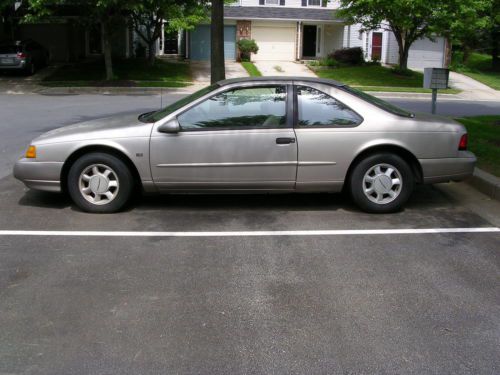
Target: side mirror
[[170, 127]]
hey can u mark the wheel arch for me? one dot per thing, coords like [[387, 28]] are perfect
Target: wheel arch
[[76, 154], [401, 151]]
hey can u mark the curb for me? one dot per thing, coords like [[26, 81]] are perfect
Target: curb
[[43, 90], [486, 183]]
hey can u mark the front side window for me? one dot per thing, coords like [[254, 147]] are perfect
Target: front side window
[[314, 3], [253, 107], [317, 109]]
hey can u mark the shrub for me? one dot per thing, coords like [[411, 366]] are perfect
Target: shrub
[[352, 56], [247, 47], [328, 61]]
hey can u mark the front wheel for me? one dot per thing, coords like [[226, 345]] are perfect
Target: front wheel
[[381, 183], [100, 183]]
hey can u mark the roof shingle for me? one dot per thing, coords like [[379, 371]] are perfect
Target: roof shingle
[[264, 12]]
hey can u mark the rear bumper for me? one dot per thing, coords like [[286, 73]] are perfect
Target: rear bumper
[[20, 66], [39, 175], [448, 169]]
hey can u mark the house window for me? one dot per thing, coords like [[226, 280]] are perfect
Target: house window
[[314, 3], [272, 2]]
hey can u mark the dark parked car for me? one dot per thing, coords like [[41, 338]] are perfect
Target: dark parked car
[[26, 56]]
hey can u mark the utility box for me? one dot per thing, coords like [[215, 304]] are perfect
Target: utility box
[[436, 78]]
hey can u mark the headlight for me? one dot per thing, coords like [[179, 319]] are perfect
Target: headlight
[[31, 152]]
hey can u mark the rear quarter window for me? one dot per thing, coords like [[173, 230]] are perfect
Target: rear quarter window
[[9, 49]]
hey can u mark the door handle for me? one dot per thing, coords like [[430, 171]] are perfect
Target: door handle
[[284, 141]]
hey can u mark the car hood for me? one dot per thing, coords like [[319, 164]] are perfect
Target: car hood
[[124, 126]]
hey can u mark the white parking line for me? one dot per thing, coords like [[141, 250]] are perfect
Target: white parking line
[[258, 233]]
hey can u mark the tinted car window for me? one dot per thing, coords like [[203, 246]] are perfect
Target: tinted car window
[[255, 107], [317, 109], [158, 115], [378, 102]]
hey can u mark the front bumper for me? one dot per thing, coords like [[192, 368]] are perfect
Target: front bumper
[[37, 175], [448, 169]]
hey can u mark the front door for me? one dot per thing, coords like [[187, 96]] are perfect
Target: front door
[[309, 41], [376, 46], [171, 42], [240, 139]]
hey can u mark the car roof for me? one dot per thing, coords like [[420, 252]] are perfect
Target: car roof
[[330, 82]]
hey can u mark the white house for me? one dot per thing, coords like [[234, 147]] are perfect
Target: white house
[[304, 29]]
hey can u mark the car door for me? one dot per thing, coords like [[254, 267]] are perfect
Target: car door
[[326, 137], [240, 138]]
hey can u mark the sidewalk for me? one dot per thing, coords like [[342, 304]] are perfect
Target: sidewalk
[[472, 89]]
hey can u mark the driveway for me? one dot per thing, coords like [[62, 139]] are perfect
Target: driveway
[[200, 71], [283, 68]]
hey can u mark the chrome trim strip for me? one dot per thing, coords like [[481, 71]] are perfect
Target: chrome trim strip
[[309, 163], [244, 164]]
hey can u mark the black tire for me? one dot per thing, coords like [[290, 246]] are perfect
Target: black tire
[[357, 183], [120, 172]]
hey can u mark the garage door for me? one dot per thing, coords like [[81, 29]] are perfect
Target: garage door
[[425, 53], [200, 43], [275, 43]]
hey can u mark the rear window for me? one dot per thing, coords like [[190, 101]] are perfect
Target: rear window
[[378, 102], [9, 49]]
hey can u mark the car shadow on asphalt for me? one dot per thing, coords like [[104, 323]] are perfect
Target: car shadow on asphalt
[[42, 199], [423, 198]]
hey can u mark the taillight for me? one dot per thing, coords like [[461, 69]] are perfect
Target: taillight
[[21, 55], [462, 145]]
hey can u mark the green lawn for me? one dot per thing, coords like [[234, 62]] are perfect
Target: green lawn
[[479, 68], [371, 75], [128, 72], [484, 141], [251, 69]]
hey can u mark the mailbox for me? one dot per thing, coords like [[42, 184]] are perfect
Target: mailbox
[[436, 78]]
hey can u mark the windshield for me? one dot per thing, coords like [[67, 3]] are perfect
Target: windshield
[[158, 115], [378, 102]]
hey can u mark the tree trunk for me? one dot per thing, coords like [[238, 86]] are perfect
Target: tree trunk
[[217, 68], [106, 45], [151, 53], [466, 54], [403, 57], [495, 48]]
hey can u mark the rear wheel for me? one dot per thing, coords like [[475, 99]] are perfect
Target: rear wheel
[[100, 183], [381, 183]]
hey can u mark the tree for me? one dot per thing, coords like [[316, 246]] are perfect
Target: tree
[[148, 16], [472, 28], [217, 68], [105, 13], [495, 34], [409, 20], [7, 12]]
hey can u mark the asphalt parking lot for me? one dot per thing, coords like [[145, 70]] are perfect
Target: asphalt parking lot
[[298, 302]]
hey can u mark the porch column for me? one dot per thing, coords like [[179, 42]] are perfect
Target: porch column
[[298, 53]]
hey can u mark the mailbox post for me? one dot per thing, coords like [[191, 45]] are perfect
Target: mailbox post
[[435, 79]]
